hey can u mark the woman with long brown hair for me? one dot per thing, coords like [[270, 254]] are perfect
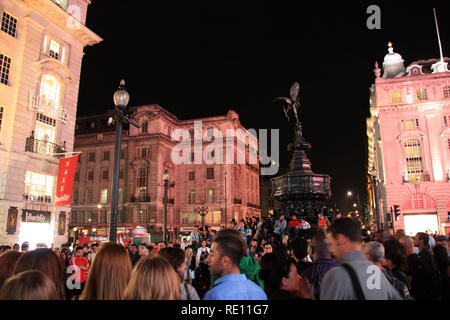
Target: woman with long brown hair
[[44, 260], [175, 256], [153, 279], [8, 260], [109, 274], [29, 285]]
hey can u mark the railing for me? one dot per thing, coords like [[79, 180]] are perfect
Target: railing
[[43, 147], [83, 139], [252, 205], [47, 107]]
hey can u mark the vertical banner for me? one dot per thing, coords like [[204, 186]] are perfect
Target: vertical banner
[[64, 184], [11, 224], [62, 223]]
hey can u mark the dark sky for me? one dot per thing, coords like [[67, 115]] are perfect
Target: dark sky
[[200, 58]]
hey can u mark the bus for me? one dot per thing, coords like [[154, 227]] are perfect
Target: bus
[[126, 235]]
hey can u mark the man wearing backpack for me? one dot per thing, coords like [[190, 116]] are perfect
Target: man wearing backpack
[[374, 252], [356, 278]]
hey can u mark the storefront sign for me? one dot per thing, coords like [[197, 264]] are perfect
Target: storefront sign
[[36, 216], [64, 184]]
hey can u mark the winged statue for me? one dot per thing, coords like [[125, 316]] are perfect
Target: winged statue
[[291, 103]]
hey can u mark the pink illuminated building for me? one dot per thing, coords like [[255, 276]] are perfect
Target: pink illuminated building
[[409, 144], [227, 190]]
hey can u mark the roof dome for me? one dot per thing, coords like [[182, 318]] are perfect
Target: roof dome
[[393, 64]]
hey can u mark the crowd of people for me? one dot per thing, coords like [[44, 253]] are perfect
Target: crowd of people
[[285, 259]]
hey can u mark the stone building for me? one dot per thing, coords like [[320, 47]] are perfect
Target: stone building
[[228, 190], [41, 50], [409, 144]]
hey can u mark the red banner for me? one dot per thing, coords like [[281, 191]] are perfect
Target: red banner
[[64, 183]]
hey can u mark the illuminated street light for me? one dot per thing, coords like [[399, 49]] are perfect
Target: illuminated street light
[[354, 205], [349, 193]]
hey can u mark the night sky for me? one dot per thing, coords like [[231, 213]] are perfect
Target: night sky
[[202, 58]]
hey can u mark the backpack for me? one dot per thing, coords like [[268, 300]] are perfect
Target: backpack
[[401, 288]]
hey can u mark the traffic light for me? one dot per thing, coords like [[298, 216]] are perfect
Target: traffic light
[[396, 211]]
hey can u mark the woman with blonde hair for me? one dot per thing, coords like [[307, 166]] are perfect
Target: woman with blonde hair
[[29, 285], [109, 274], [153, 279]]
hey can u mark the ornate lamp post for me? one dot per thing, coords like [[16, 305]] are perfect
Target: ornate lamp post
[[121, 99], [203, 211], [166, 186]]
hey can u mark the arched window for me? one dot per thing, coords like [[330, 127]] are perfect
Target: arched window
[[413, 156], [419, 201]]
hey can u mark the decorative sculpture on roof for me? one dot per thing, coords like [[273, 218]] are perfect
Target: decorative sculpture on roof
[[291, 104]]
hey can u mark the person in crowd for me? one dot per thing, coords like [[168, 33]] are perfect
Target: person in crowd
[[224, 260], [268, 248], [374, 252], [195, 235], [248, 266], [259, 229], [281, 279], [395, 260], [153, 279], [337, 216], [299, 254], [176, 258], [251, 251], [86, 253], [16, 247], [44, 260], [440, 255], [79, 266], [189, 261], [245, 232], [202, 267], [293, 226], [24, 247], [145, 250], [184, 244], [109, 274], [162, 245], [422, 270], [29, 285], [8, 260], [322, 222], [348, 281], [279, 228], [93, 252], [399, 234], [134, 255], [305, 224], [319, 251]]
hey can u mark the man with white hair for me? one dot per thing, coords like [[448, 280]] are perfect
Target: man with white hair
[[374, 252]]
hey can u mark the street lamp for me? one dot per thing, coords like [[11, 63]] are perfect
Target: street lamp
[[121, 99], [166, 186], [203, 211]]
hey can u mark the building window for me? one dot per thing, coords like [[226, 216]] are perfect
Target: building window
[[411, 124], [122, 154], [447, 92], [105, 174], [1, 117], [396, 96], [211, 195], [89, 215], [77, 176], [91, 156], [5, 66], [121, 195], [144, 152], [446, 121], [209, 173], [50, 95], [75, 196], [191, 175], [106, 155], [121, 174], [142, 216], [210, 132], [191, 197], [144, 127], [103, 216], [104, 196], [38, 187], [55, 49], [90, 175], [89, 196], [9, 24], [422, 94], [142, 184], [414, 165]]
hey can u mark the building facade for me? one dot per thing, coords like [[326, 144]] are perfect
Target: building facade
[[41, 50], [409, 144], [228, 190]]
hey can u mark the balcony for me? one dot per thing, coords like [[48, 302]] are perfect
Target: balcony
[[47, 107], [237, 201], [44, 147], [252, 205], [141, 198]]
